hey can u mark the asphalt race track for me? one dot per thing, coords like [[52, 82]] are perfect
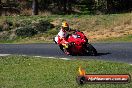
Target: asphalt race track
[[119, 52]]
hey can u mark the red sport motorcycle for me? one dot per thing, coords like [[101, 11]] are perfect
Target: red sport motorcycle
[[78, 45]]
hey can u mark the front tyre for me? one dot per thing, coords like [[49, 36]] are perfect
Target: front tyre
[[54, 40], [90, 50], [61, 47], [64, 50]]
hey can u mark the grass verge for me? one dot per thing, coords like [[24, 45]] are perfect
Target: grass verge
[[127, 38], [32, 72], [28, 40], [113, 27]]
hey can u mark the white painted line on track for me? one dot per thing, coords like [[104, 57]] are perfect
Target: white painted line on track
[[39, 56], [65, 58], [5, 54], [52, 57], [44, 57]]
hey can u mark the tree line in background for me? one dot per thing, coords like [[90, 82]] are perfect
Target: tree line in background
[[65, 6]]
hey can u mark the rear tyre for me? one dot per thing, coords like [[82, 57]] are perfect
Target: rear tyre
[[61, 47], [90, 50]]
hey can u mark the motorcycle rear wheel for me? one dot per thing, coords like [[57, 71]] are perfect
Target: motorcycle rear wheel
[[90, 50]]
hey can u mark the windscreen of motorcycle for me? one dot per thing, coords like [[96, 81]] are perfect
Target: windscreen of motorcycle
[[76, 36]]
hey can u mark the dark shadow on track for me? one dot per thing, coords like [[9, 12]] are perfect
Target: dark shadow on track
[[101, 54], [98, 54]]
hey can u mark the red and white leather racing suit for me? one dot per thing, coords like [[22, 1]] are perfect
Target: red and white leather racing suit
[[61, 36]]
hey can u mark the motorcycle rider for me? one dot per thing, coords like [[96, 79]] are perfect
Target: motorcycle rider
[[62, 35]]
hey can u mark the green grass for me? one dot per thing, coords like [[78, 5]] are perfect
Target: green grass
[[27, 40], [90, 21], [127, 38], [87, 23], [31, 72]]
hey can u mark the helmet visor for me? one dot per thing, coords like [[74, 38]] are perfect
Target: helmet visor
[[66, 28]]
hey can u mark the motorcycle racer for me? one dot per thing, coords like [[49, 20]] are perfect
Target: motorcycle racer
[[73, 42], [62, 36]]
